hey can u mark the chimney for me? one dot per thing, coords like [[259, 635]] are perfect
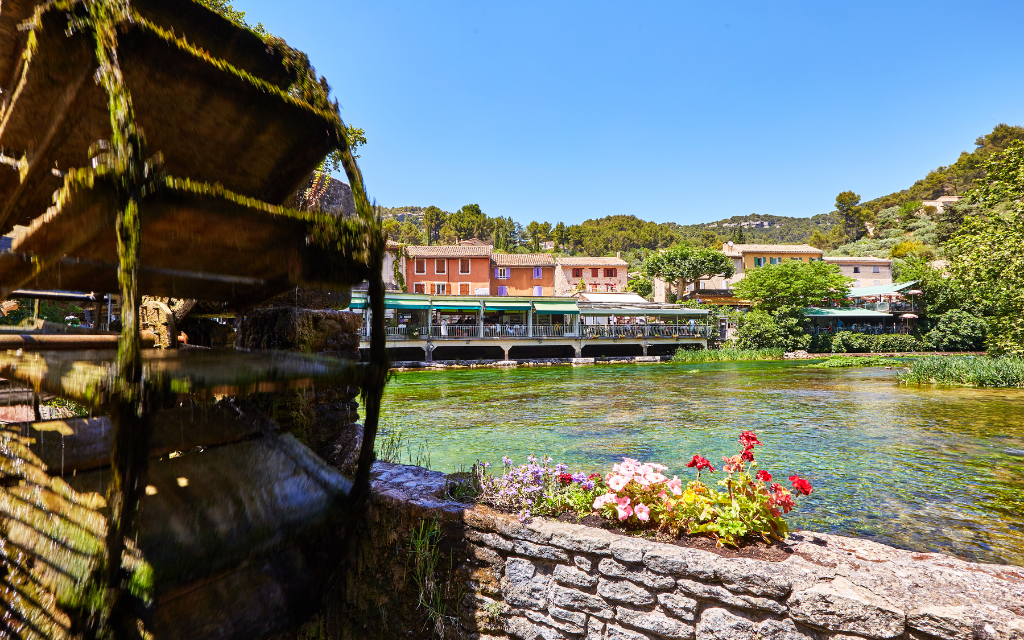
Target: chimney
[[730, 244], [618, 254]]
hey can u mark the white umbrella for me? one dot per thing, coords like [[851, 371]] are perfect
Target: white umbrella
[[915, 292], [908, 315]]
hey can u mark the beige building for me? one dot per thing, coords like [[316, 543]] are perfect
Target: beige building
[[597, 274], [866, 271], [941, 202]]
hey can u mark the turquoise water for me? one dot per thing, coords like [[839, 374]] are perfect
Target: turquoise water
[[927, 469]]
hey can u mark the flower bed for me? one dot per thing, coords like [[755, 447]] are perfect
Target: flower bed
[[640, 497]]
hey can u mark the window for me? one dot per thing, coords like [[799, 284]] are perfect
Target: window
[[878, 282], [440, 288], [464, 289], [594, 273], [610, 273], [577, 273], [775, 260], [440, 266], [874, 269], [856, 269], [797, 259], [758, 262], [538, 273], [464, 266], [419, 287], [502, 273], [502, 291], [538, 290], [421, 266]]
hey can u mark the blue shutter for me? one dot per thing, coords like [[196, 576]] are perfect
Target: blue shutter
[[495, 273], [502, 291]]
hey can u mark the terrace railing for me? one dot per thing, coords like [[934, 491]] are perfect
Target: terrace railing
[[454, 331], [517, 331]]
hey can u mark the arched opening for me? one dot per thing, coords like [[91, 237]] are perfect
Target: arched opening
[[612, 350], [536, 351]]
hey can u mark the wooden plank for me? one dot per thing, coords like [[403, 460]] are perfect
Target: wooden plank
[[82, 444]]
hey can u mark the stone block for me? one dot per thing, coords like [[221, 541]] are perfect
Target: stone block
[[646, 577], [682, 563], [623, 591], [479, 517], [484, 554], [524, 586], [584, 563], [655, 622], [951, 622], [492, 540], [614, 632], [543, 551], [519, 570], [574, 577], [595, 629], [703, 591], [574, 600], [842, 606], [572, 617], [679, 606], [780, 630], [543, 619], [574, 537], [719, 624], [630, 549], [754, 577]]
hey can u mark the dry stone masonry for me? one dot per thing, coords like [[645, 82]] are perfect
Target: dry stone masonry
[[549, 580]]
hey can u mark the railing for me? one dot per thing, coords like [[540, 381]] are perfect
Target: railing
[[645, 331], [586, 332], [875, 330], [888, 307], [554, 331], [454, 331]]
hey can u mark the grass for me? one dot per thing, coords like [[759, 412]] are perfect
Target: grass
[[967, 371], [833, 362], [726, 354]]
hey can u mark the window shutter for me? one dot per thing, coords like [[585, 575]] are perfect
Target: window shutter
[[496, 276]]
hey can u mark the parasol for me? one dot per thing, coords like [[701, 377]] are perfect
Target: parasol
[[915, 292], [907, 316]]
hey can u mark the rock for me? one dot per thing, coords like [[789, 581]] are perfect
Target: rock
[[682, 563], [613, 632], [574, 600], [723, 595], [520, 627], [524, 586], [655, 622], [780, 630], [562, 625], [950, 623], [679, 606], [623, 591], [484, 554], [719, 624], [754, 577], [583, 563], [540, 551], [629, 549], [575, 537], [842, 606], [574, 577], [492, 540], [646, 577], [572, 617], [518, 570], [595, 629]]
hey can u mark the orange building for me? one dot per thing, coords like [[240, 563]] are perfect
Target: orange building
[[459, 270], [522, 274], [597, 273]]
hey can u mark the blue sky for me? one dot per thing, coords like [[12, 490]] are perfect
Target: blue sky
[[672, 111]]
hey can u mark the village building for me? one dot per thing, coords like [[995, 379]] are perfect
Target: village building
[[522, 274], [941, 202], [597, 274], [460, 270], [866, 271]]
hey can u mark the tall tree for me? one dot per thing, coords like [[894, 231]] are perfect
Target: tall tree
[[737, 236], [851, 214], [686, 265], [433, 219], [560, 235], [470, 222], [793, 284]]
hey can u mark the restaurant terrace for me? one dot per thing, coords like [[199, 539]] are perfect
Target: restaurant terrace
[[532, 326]]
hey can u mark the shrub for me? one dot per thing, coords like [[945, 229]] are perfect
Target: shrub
[[725, 354], [957, 330], [759, 330], [968, 371], [538, 487], [641, 495], [833, 362], [898, 342]]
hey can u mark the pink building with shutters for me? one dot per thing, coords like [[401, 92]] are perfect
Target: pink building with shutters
[[597, 274], [448, 270], [522, 274]]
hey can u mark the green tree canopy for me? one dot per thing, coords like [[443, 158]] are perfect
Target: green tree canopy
[[686, 265], [433, 219], [986, 251], [560, 235], [793, 284]]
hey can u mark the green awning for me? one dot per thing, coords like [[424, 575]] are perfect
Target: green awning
[[469, 305], [816, 312], [508, 306], [405, 304], [357, 303], [881, 290], [556, 306], [636, 311]]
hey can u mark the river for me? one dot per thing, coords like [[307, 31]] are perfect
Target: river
[[928, 469]]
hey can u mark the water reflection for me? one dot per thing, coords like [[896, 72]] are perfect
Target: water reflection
[[925, 469]]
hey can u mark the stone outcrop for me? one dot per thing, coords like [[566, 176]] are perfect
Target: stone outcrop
[[550, 580]]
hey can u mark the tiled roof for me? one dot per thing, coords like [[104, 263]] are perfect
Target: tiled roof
[[448, 251], [773, 248], [522, 260], [858, 259], [584, 261]]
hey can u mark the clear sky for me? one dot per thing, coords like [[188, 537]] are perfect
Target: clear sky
[[672, 111]]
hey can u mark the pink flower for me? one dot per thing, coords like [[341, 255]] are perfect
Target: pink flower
[[643, 513], [675, 485], [642, 481], [630, 461], [655, 478], [622, 506], [600, 501], [644, 469], [658, 467], [617, 482]]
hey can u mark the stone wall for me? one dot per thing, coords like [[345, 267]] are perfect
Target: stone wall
[[550, 580]]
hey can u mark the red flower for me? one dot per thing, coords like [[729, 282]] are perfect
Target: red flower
[[764, 476], [801, 485], [565, 478], [593, 475], [748, 439], [782, 499], [700, 463], [748, 454]]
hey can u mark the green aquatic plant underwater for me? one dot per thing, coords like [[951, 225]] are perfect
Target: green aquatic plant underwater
[[640, 496]]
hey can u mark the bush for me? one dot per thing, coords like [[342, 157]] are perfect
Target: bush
[[781, 330], [847, 342], [725, 354], [968, 371], [898, 342], [538, 487], [957, 330], [834, 362]]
